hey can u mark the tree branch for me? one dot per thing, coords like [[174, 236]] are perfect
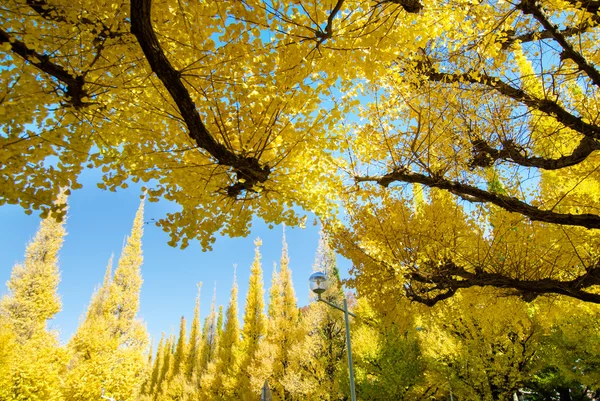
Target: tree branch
[[546, 106], [247, 168], [328, 31], [450, 277], [410, 6], [52, 13], [591, 6], [484, 155], [414, 295], [475, 194], [74, 83], [533, 7], [531, 36]]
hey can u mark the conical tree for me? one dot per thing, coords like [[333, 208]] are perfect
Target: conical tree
[[166, 366], [100, 296], [195, 337], [254, 331], [109, 345], [92, 336], [228, 358], [175, 385], [35, 362], [209, 337], [33, 297], [275, 303], [220, 320], [208, 351], [146, 385], [157, 366], [219, 380], [262, 367], [124, 292], [180, 350], [285, 332]]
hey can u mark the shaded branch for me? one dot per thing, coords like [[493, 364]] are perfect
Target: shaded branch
[[533, 7], [248, 169], [410, 6], [74, 83], [532, 36], [450, 277], [591, 6], [52, 13], [484, 155], [328, 31], [414, 295], [474, 194], [546, 106]]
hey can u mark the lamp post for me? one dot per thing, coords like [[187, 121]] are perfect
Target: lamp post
[[318, 285]]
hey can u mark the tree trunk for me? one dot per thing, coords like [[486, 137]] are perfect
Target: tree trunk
[[564, 394]]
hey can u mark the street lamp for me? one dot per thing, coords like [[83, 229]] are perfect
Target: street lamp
[[318, 284]]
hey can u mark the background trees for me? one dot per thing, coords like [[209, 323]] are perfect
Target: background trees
[[476, 346], [109, 345], [32, 361]]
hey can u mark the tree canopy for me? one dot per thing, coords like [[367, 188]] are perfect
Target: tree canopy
[[459, 137]]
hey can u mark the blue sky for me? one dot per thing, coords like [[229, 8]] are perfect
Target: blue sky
[[97, 224]]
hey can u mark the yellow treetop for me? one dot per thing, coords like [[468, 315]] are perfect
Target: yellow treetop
[[33, 298]]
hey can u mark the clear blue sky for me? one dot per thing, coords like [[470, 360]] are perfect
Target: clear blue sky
[[97, 224]]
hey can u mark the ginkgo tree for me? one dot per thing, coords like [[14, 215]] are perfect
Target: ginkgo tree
[[486, 110], [476, 159], [184, 95]]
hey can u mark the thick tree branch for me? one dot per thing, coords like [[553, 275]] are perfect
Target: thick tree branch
[[74, 83], [475, 194], [484, 155], [590, 6], [410, 6], [248, 169], [328, 31], [449, 277], [533, 7], [546, 106], [532, 36], [427, 300]]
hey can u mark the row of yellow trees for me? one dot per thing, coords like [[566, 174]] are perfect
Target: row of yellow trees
[[473, 346], [108, 349]]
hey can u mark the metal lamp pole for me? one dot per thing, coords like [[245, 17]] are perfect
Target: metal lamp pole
[[318, 284]]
